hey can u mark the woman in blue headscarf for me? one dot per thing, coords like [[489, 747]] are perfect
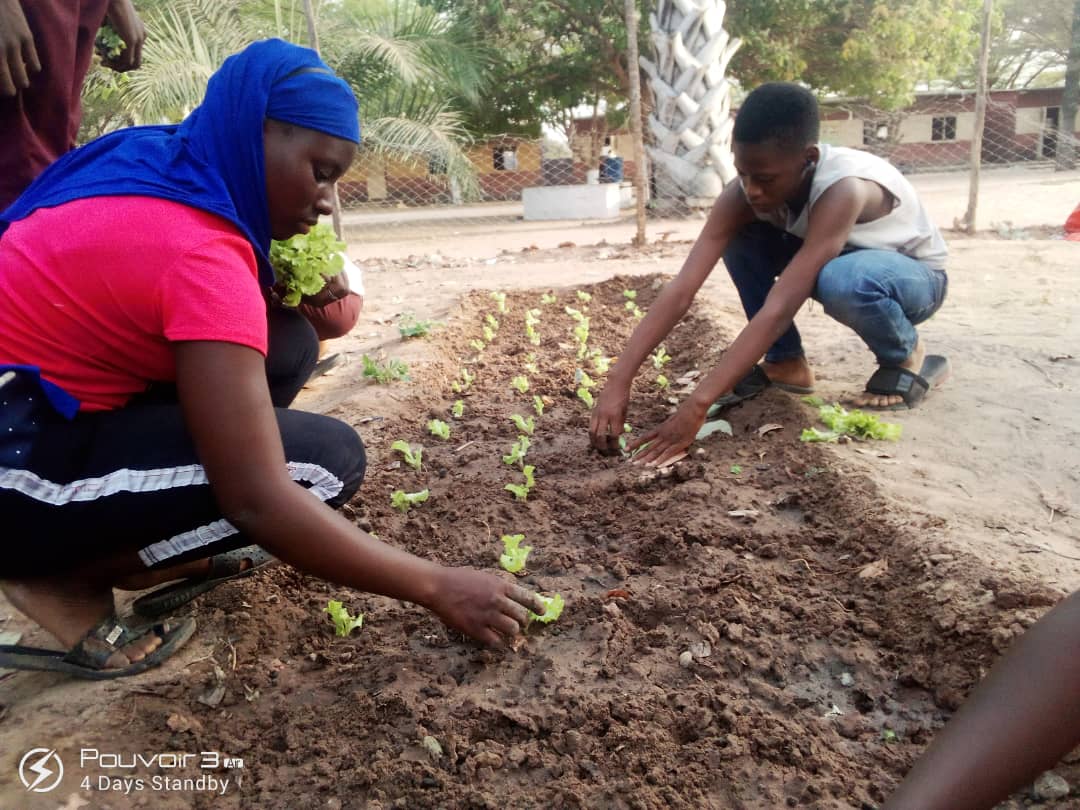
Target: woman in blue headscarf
[[145, 434]]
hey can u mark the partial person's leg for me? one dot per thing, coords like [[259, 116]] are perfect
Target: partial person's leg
[[292, 354], [882, 295], [112, 495], [757, 255]]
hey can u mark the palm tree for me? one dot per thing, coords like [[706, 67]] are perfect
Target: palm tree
[[407, 66], [691, 124]]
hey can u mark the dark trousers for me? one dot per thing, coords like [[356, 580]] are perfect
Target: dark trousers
[[130, 480]]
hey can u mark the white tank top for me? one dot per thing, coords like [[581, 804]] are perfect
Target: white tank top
[[906, 229]]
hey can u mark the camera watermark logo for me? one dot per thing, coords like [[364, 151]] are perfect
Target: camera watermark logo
[[40, 770]]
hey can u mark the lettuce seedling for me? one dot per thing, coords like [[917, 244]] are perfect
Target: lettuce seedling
[[466, 377], [662, 382], [413, 459], [409, 327], [538, 405], [302, 263], [660, 358], [532, 335], [636, 312], [383, 374], [500, 300], [547, 298], [521, 492], [601, 364], [492, 321], [477, 344], [530, 364], [629, 295], [553, 608], [402, 500], [585, 396], [526, 426], [532, 316], [455, 387], [583, 296], [842, 422], [576, 314], [514, 554], [437, 427], [489, 334], [583, 379], [517, 451], [520, 383], [623, 439], [343, 622], [457, 410]]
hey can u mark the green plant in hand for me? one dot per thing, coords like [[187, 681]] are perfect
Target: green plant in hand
[[553, 608], [344, 623], [413, 459], [439, 428], [403, 501], [521, 383], [302, 263], [514, 554], [381, 373]]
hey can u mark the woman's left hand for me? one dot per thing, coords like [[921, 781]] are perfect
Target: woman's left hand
[[670, 441]]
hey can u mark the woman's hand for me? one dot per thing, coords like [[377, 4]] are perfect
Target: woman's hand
[[336, 288], [609, 416], [482, 605], [670, 441]]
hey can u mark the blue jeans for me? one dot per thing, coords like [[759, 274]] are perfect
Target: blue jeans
[[880, 294]]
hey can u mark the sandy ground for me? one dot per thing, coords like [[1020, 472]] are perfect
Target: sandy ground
[[988, 465]]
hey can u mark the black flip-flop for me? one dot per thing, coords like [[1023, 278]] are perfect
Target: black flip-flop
[[223, 567], [749, 387], [901, 382], [112, 634]]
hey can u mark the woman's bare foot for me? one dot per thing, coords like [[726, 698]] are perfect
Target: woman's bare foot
[[794, 371], [68, 610], [913, 363]]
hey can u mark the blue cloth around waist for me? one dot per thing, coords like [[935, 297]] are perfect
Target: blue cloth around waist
[[27, 403]]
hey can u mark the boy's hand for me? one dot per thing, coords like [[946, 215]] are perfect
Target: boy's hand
[[130, 28], [668, 442], [483, 606], [609, 416], [18, 54]]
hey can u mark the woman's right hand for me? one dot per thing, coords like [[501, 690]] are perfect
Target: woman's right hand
[[482, 605], [609, 416]]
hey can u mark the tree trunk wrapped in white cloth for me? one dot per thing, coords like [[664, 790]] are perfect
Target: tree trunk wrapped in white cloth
[[691, 123]]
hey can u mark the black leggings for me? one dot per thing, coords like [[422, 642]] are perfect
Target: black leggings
[[129, 479]]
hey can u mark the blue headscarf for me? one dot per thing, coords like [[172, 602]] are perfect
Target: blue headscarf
[[213, 160]]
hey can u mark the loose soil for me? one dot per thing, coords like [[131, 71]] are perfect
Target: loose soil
[[756, 627]]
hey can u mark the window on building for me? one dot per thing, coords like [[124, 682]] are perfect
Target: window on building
[[874, 132], [943, 128]]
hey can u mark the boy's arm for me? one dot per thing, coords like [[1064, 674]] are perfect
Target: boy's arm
[[1020, 721], [830, 223], [728, 215]]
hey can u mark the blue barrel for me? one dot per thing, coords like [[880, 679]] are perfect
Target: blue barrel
[[611, 169]]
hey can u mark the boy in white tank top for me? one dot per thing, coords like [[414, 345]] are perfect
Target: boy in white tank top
[[803, 221]]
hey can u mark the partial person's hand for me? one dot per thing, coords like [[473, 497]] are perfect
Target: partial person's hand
[[671, 440], [336, 288], [483, 606], [125, 20], [18, 54], [608, 417]]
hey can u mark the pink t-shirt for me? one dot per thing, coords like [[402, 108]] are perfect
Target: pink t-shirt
[[94, 291]]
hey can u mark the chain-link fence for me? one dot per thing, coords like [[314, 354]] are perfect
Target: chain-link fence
[[527, 182]]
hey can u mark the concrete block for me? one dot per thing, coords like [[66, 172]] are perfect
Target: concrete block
[[572, 202]]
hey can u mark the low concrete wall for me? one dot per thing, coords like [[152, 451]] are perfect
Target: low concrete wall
[[599, 201]]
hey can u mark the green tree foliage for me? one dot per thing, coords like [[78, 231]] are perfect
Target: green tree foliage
[[876, 49]]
